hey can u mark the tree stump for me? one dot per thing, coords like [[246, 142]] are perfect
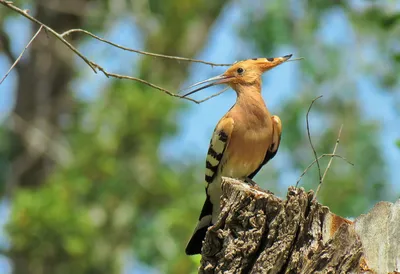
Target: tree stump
[[258, 232]]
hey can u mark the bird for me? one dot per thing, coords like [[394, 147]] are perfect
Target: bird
[[243, 141]]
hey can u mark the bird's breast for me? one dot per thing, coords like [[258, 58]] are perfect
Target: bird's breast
[[247, 149]]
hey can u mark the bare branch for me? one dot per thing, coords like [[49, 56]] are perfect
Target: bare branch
[[319, 158], [96, 67], [309, 138], [214, 95], [118, 76], [53, 32], [143, 52], [19, 57], [330, 162]]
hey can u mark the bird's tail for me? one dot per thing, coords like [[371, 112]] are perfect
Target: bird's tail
[[205, 220]]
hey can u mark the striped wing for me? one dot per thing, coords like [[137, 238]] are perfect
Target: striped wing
[[219, 142], [214, 161]]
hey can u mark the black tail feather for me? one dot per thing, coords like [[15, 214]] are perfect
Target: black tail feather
[[196, 241]]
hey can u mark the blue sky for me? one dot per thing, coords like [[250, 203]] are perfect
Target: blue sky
[[198, 122]]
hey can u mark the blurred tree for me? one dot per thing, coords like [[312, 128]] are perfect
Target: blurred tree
[[330, 69], [114, 192], [42, 95]]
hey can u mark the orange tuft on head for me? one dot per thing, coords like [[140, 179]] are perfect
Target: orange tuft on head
[[249, 71]]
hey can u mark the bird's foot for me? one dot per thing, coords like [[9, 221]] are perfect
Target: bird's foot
[[250, 182], [254, 185]]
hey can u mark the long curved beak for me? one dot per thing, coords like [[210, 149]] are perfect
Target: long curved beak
[[217, 80]]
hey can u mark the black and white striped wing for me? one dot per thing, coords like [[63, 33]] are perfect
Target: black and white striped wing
[[218, 144]]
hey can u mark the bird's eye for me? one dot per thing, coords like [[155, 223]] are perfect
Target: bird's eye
[[240, 70]]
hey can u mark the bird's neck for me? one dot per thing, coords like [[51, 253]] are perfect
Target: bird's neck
[[250, 105], [250, 97]]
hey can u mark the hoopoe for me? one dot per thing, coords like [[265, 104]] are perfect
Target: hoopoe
[[243, 141]]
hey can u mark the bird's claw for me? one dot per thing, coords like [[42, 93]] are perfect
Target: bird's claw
[[250, 182]]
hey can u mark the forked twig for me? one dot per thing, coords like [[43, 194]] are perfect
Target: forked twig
[[309, 138], [212, 96], [319, 158], [24, 13], [20, 56], [329, 163]]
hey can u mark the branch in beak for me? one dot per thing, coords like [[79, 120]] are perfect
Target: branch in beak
[[220, 79]]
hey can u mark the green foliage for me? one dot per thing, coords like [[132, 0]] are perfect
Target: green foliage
[[116, 192], [53, 229]]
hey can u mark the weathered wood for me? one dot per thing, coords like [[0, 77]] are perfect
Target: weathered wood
[[258, 232], [379, 231]]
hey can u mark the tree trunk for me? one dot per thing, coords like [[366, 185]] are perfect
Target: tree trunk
[[42, 94], [258, 232]]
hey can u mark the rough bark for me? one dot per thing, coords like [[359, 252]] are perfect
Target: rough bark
[[258, 232]]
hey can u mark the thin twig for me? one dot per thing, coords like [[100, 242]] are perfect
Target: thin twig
[[118, 76], [96, 67], [56, 34], [144, 52], [19, 57], [214, 95], [313, 162], [330, 162], [309, 138]]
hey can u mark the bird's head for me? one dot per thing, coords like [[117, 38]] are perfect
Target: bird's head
[[243, 74]]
